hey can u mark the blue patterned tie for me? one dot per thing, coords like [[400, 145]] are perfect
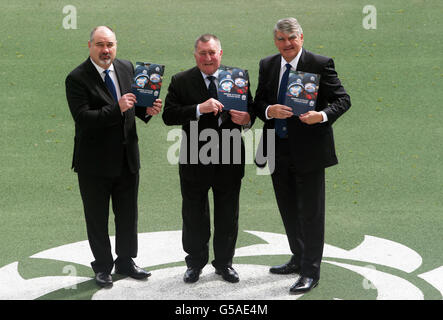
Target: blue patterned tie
[[110, 84], [280, 124]]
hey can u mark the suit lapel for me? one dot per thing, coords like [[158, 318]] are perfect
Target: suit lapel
[[275, 75], [301, 66], [200, 86], [197, 87], [98, 81], [124, 81], [122, 77]]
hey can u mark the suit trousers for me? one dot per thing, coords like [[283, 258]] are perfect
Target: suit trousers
[[96, 193], [197, 225], [301, 202]]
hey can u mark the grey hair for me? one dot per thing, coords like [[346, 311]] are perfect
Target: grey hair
[[206, 38], [288, 26], [91, 36]]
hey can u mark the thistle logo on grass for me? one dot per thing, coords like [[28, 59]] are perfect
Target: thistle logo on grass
[[161, 248]]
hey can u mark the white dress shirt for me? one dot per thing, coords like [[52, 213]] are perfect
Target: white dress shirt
[[112, 74]]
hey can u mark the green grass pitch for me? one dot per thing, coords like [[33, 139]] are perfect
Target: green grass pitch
[[389, 181]]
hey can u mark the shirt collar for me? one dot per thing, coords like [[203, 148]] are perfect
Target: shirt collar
[[294, 61], [100, 69], [215, 74]]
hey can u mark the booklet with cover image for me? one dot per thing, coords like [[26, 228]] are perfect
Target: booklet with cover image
[[233, 84], [148, 78], [302, 91]]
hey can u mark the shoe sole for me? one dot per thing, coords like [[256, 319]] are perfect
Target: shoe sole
[[134, 277], [303, 290], [189, 280], [141, 277], [228, 280], [104, 285], [277, 272]]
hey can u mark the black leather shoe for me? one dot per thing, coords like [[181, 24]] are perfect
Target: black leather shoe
[[103, 279], [132, 270], [228, 274], [192, 275], [303, 285], [286, 268]]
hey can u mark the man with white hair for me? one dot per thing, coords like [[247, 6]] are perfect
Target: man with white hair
[[304, 147]]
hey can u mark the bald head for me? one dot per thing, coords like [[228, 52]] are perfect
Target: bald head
[[102, 46], [100, 29]]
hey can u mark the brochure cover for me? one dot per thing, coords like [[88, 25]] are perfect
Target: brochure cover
[[148, 78], [302, 91], [233, 84]]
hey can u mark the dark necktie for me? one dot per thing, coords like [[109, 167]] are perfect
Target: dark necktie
[[280, 124], [110, 84], [212, 89]]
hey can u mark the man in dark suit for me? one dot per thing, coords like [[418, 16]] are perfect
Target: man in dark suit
[[192, 102], [304, 147], [106, 154]]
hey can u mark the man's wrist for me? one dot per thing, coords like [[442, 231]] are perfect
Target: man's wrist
[[267, 113], [325, 116], [197, 112]]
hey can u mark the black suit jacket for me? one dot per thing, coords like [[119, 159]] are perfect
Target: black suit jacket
[[186, 90], [103, 136], [312, 146]]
